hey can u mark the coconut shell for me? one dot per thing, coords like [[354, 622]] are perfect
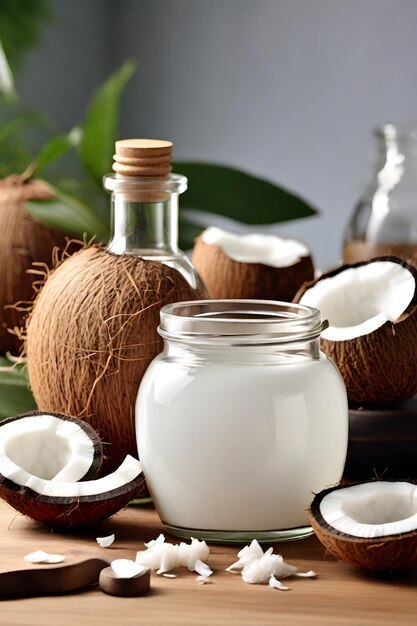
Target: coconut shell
[[226, 278], [392, 552], [70, 512], [25, 240], [379, 368], [92, 334]]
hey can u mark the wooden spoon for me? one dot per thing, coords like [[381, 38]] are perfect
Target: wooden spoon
[[41, 581]]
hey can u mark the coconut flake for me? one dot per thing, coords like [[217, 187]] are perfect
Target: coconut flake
[[203, 569], [105, 542], [262, 569], [246, 555], [310, 574], [202, 580], [276, 584], [44, 557], [125, 568], [165, 575], [257, 566], [163, 557]]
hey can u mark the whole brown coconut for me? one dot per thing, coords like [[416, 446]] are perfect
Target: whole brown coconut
[[92, 334], [229, 278], [378, 367], [25, 240]]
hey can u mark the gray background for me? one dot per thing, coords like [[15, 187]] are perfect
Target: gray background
[[287, 89]]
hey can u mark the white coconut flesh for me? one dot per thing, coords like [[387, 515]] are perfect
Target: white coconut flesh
[[370, 510], [128, 471], [359, 300], [256, 248], [47, 447]]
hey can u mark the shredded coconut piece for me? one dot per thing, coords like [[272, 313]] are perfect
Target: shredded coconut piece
[[257, 566], [125, 568], [247, 555], [260, 570], [164, 557], [203, 569], [105, 542], [273, 582], [202, 580], [310, 574], [44, 557], [170, 575]]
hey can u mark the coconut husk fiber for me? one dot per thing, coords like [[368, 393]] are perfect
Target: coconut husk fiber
[[92, 334], [25, 240]]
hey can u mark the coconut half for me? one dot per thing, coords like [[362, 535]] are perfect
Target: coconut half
[[251, 266], [71, 504], [51, 446], [372, 334], [372, 525], [47, 461]]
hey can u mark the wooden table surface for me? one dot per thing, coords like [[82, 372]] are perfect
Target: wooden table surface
[[340, 595]]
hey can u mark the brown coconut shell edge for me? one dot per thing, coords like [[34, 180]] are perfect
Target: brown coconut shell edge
[[70, 512], [379, 368], [390, 552], [226, 278]]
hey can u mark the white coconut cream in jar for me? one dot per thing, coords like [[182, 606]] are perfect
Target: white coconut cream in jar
[[240, 420]]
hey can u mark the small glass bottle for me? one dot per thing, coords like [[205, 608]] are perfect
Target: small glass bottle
[[95, 354], [240, 420], [144, 206], [385, 219]]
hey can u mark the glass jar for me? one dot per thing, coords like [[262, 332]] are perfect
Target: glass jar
[[385, 219], [240, 420]]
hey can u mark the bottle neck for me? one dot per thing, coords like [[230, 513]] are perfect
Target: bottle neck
[[146, 229], [144, 215], [397, 159]]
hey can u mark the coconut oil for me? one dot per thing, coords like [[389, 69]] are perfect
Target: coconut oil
[[240, 420]]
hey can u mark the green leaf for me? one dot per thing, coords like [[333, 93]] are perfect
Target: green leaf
[[230, 192], [69, 213], [15, 396], [100, 123], [188, 231], [20, 26], [15, 125], [55, 148]]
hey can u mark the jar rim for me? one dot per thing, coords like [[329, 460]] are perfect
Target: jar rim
[[240, 322]]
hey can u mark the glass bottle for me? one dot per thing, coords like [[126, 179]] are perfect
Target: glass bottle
[[385, 219], [240, 420], [114, 296], [144, 205]]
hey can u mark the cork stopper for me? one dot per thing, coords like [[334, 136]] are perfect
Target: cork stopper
[[143, 158]]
